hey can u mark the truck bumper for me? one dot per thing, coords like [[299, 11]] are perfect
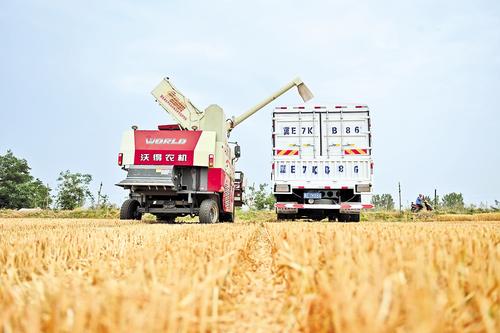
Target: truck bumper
[[292, 207]]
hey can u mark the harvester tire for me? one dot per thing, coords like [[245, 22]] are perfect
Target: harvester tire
[[129, 211], [227, 217], [209, 211]]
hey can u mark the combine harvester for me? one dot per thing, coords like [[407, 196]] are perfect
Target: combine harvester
[[187, 168]]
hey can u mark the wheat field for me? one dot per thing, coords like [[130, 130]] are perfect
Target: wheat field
[[78, 275]]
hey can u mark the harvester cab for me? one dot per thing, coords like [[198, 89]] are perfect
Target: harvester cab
[[187, 168]]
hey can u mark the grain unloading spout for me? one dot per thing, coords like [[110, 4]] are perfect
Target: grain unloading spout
[[303, 91], [177, 105]]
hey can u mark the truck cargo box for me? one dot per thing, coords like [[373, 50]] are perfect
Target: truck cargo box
[[324, 150]]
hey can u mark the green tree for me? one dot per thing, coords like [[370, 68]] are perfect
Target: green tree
[[73, 190], [261, 198], [496, 207], [40, 194], [453, 200], [18, 188], [383, 201]]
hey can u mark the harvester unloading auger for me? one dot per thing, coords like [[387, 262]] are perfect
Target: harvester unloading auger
[[187, 168]]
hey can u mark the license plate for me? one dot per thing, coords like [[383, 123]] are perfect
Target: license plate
[[312, 195]]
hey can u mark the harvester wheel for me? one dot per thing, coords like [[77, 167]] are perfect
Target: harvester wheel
[[129, 211], [227, 217], [209, 211]]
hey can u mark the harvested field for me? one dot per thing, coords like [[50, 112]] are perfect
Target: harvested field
[[78, 275]]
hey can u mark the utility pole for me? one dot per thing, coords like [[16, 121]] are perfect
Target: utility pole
[[435, 199], [48, 197], [99, 195], [400, 207]]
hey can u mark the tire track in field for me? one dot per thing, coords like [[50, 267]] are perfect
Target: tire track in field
[[259, 302]]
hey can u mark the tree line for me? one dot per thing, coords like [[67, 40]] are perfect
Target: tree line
[[19, 189], [453, 201]]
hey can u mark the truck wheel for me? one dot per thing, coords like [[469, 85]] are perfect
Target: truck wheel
[[354, 217], [285, 217], [209, 211], [129, 211], [332, 218], [344, 217]]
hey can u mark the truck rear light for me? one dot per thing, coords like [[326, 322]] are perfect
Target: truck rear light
[[120, 159], [371, 168], [282, 188], [210, 160]]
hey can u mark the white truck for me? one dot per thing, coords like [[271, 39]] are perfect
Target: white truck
[[322, 165]]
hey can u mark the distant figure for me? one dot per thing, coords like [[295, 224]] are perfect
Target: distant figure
[[420, 202]]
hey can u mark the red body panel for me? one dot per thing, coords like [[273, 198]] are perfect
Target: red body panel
[[219, 182], [215, 181], [165, 147]]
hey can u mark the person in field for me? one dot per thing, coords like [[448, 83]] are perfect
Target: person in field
[[420, 202]]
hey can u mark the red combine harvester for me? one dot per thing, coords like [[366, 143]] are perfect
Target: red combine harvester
[[187, 168]]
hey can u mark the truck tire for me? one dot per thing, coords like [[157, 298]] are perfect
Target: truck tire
[[354, 217], [344, 217], [128, 211], [209, 211], [332, 218]]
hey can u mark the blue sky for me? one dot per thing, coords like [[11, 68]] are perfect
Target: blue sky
[[75, 74]]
